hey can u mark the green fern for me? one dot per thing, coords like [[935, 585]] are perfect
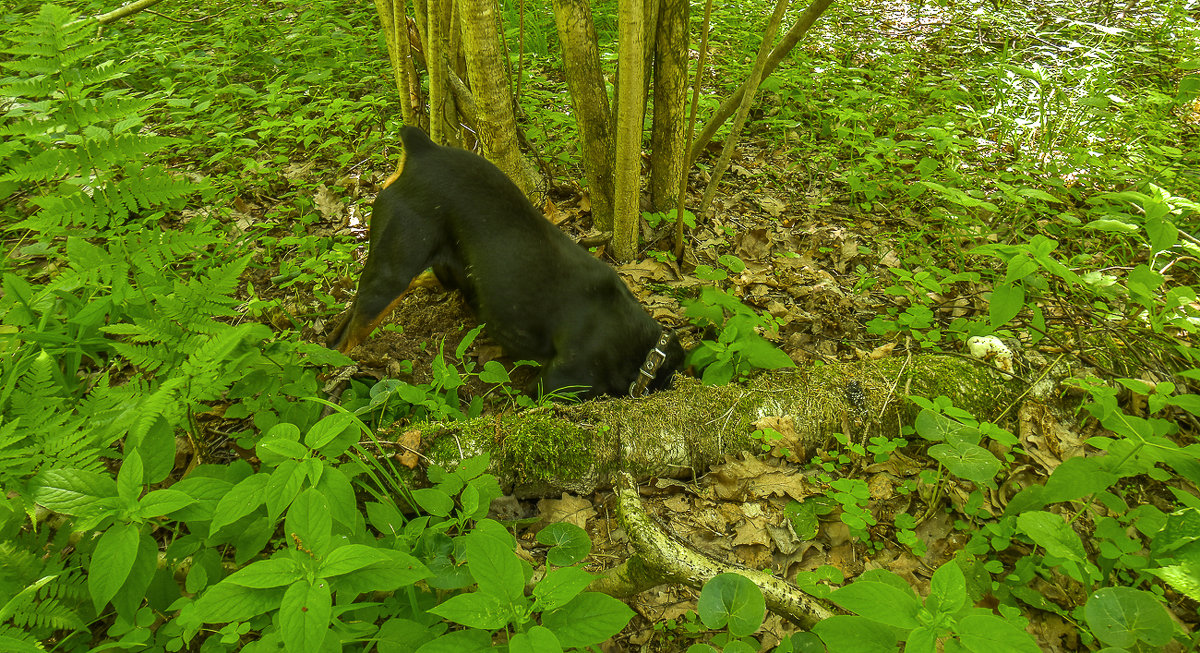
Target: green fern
[[45, 592], [73, 139]]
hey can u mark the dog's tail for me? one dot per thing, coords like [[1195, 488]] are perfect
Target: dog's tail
[[415, 141]]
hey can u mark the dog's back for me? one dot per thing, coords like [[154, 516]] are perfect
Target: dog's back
[[541, 295]]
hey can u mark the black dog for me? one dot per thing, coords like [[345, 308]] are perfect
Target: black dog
[[541, 295]]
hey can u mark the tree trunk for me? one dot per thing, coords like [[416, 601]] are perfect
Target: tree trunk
[[493, 99], [682, 432], [628, 158], [394, 21], [435, 58], [589, 99], [731, 103], [667, 142], [756, 75]]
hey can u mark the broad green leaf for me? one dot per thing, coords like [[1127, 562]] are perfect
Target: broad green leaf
[[1052, 533], [339, 493], [948, 588], [111, 562], [398, 635], [304, 615], [849, 634], [398, 570], [243, 499], [985, 633], [73, 491], [1038, 193], [225, 602], [1184, 577], [538, 639], [495, 566], [287, 479], [309, 521], [718, 373], [330, 427], [475, 610], [129, 477], [1163, 233], [762, 354], [459, 641], [133, 591], [1006, 301], [494, 372], [1123, 616], [731, 601], [349, 557], [965, 460], [162, 502], [434, 501], [560, 586], [469, 468], [878, 601], [590, 618], [1076, 478], [569, 543], [1110, 224], [272, 572]]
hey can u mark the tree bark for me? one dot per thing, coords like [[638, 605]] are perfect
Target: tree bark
[[394, 22], [743, 111], [731, 103], [125, 10], [589, 99], [493, 99], [682, 432], [660, 558], [435, 63], [667, 142], [628, 158]]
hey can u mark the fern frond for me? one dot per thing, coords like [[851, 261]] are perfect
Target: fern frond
[[147, 357], [163, 401]]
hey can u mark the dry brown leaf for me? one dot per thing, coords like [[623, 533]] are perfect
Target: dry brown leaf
[[678, 503], [750, 532], [774, 207], [329, 205], [1045, 438], [411, 444], [570, 509]]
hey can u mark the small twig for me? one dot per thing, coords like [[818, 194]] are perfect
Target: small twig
[[896, 382], [1029, 387], [197, 20]]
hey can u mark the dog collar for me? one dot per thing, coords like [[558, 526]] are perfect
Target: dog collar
[[649, 368]]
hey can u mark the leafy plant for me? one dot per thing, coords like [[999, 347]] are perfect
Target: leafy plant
[[888, 612], [739, 348]]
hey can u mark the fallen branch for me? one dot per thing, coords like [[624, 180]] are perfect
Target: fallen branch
[[125, 10], [660, 557]]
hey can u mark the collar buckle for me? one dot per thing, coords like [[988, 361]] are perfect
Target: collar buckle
[[649, 367]]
